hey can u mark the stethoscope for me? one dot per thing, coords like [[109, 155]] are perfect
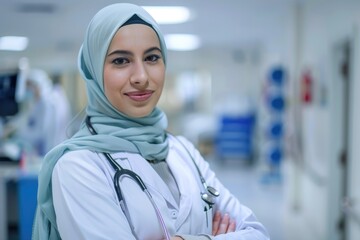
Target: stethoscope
[[208, 194]]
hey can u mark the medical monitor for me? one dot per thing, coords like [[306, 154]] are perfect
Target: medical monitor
[[9, 84]]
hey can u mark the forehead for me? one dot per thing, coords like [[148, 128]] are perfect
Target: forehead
[[135, 35]]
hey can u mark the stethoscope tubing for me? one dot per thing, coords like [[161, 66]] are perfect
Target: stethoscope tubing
[[210, 193], [120, 172], [123, 172], [207, 196]]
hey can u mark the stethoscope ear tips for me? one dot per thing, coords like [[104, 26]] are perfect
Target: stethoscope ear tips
[[213, 191]]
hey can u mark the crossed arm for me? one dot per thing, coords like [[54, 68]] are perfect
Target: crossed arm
[[221, 224]]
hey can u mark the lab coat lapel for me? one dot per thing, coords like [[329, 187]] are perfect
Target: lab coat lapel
[[183, 176]]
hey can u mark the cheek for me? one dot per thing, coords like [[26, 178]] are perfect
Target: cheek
[[107, 80], [159, 75], [112, 80]]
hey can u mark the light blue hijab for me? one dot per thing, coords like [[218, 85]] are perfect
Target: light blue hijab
[[116, 131]]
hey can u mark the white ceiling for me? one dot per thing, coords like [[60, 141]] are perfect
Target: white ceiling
[[55, 28]]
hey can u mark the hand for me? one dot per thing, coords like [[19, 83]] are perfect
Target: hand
[[222, 224]]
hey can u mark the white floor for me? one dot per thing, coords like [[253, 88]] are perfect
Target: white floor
[[266, 200]]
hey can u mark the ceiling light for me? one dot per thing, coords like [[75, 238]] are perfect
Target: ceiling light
[[169, 15], [13, 43], [182, 42]]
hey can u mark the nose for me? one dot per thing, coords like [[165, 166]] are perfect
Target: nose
[[139, 77]]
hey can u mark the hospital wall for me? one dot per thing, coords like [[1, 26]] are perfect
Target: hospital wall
[[318, 181]]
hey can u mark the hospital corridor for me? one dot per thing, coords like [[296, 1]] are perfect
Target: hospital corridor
[[267, 91]]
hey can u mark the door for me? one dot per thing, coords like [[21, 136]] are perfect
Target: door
[[352, 201]]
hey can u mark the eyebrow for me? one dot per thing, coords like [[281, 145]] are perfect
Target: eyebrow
[[130, 53]]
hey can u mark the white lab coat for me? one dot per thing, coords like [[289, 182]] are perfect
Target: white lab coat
[[87, 207]]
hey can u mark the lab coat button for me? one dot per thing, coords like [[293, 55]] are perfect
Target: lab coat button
[[174, 214]]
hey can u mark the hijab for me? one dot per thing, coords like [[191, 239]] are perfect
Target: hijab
[[116, 131]]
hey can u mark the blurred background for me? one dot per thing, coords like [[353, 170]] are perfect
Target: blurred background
[[266, 89]]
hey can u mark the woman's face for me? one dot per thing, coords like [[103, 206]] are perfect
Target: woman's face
[[134, 70]]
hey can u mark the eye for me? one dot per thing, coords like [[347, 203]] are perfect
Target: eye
[[120, 61], [152, 58]]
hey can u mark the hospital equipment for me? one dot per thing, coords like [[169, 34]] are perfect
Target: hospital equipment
[[208, 194]]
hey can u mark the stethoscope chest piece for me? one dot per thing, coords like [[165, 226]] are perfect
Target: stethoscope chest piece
[[210, 195]]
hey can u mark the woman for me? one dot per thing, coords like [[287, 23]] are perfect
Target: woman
[[90, 186]]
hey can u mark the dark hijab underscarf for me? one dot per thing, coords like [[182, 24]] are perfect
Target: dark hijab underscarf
[[116, 131]]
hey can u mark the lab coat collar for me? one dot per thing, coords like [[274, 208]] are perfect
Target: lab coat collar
[[152, 180]]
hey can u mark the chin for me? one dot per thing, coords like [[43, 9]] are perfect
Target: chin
[[139, 114]]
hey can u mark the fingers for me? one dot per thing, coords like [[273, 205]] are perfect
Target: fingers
[[216, 223], [223, 224], [176, 238], [232, 226]]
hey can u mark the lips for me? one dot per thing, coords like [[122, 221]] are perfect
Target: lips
[[139, 96]]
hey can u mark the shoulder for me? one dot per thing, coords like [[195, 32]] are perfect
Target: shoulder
[[77, 160], [179, 141], [184, 147], [77, 155]]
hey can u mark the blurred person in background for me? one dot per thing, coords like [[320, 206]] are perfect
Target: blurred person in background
[[43, 116], [122, 175], [35, 128], [62, 111]]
